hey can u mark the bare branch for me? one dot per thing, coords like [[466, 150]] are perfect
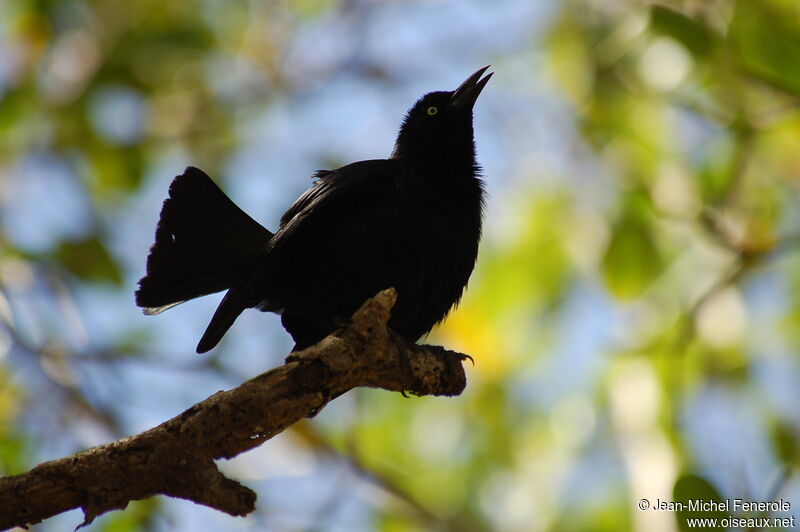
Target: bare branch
[[177, 457]]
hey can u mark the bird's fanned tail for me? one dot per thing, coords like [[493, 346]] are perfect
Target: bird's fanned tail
[[203, 242]]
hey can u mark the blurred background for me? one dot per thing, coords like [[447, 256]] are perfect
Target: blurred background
[[634, 315]]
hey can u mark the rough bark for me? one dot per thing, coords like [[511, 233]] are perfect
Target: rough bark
[[177, 457]]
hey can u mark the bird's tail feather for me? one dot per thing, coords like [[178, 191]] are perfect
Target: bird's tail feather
[[235, 301], [203, 242]]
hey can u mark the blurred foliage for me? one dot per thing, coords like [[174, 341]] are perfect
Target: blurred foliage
[[615, 302], [694, 488], [88, 260]]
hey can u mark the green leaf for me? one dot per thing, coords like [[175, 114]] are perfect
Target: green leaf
[[13, 454], [311, 8], [632, 260], [694, 488], [89, 260], [716, 171], [114, 170], [693, 35], [13, 445], [136, 516], [766, 40], [785, 442]]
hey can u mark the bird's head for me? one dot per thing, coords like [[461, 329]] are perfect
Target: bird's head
[[438, 128]]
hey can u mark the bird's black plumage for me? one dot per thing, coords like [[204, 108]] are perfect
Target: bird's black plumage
[[412, 222]]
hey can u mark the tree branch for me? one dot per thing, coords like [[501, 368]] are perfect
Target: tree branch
[[177, 457]]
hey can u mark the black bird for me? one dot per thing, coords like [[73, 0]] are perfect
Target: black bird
[[412, 221]]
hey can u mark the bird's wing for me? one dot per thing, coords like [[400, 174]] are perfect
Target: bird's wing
[[325, 184], [334, 191]]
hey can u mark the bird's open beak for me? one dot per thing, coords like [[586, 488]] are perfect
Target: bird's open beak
[[465, 95]]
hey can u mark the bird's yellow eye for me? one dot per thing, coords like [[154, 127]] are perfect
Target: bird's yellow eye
[[433, 110]]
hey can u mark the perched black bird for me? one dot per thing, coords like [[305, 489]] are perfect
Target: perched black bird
[[412, 221]]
